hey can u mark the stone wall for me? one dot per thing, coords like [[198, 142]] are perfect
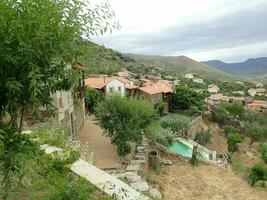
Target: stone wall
[[195, 127]]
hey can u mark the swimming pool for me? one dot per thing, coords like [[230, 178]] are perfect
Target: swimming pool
[[180, 148], [185, 147]]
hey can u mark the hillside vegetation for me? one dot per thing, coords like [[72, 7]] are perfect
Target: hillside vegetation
[[181, 65]]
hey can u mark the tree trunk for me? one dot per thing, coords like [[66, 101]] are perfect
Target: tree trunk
[[13, 121]]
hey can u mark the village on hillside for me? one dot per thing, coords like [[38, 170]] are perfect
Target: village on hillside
[[79, 121]]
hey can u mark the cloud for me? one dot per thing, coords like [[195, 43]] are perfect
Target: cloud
[[204, 31]]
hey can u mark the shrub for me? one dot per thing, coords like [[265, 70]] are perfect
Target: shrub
[[256, 133], [195, 156], [176, 123], [203, 138], [154, 132], [233, 140], [160, 107], [258, 172], [123, 148], [264, 153], [229, 129]]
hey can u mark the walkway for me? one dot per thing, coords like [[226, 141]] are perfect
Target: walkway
[[104, 153]]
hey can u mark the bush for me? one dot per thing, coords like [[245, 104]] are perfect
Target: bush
[[233, 140], [257, 133], [264, 153], [229, 129], [203, 138], [176, 123], [92, 98], [258, 172], [154, 132], [123, 148], [160, 107], [195, 156], [235, 109]]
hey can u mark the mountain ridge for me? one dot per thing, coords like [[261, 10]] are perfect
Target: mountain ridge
[[252, 67]]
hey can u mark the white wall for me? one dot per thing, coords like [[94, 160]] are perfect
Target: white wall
[[115, 84]]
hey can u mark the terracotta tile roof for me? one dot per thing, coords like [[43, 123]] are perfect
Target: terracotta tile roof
[[155, 90], [100, 82]]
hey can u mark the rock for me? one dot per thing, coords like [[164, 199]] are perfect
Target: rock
[[140, 186], [261, 184], [155, 193], [167, 162], [133, 168], [132, 177], [140, 148]]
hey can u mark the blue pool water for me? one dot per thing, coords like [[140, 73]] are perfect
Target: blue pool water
[[180, 148]]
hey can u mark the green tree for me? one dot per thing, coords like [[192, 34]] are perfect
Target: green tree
[[176, 123], [233, 140], [220, 116], [92, 98], [235, 109], [264, 153], [183, 98], [256, 133], [229, 129], [258, 172], [124, 119], [38, 42]]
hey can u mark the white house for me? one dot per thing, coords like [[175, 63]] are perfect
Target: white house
[[252, 92], [198, 80], [189, 76], [109, 85], [213, 88]]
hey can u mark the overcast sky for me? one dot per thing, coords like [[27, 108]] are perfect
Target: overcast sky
[[229, 30]]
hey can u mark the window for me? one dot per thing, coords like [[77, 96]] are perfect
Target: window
[[111, 89], [119, 88]]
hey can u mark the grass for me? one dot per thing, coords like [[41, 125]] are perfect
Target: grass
[[240, 169]]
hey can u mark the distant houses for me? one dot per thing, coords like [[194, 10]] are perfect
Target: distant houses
[[213, 88], [198, 80], [189, 76]]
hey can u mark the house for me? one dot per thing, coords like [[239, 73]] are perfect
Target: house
[[189, 76], [252, 92], [258, 106], [213, 88], [71, 111], [198, 80], [215, 99], [114, 84], [155, 94]]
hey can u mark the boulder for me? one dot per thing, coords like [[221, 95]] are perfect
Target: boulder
[[155, 193], [167, 162], [140, 186]]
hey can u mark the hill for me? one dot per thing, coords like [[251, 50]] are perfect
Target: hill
[[181, 65], [250, 68]]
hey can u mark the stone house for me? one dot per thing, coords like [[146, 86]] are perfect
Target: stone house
[[155, 94], [189, 76]]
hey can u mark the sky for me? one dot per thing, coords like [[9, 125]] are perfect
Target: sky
[[227, 30]]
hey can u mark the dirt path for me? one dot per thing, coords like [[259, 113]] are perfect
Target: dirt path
[[204, 182], [103, 152]]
